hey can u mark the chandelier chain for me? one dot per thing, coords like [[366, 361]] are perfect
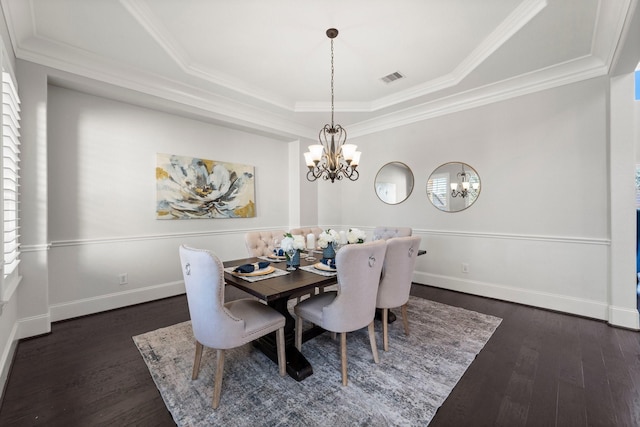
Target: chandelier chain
[[332, 72]]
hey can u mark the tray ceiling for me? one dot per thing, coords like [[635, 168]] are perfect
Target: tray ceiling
[[265, 65]]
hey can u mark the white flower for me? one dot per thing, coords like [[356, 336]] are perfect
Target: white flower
[[295, 242], [356, 236], [327, 237]]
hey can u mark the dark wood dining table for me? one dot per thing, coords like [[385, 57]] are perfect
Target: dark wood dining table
[[276, 292]]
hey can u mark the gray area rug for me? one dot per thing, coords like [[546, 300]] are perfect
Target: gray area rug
[[409, 384]]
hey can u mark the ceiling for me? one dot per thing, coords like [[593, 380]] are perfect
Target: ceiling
[[265, 65]]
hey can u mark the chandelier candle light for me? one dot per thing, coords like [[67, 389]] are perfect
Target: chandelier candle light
[[332, 159], [465, 184]]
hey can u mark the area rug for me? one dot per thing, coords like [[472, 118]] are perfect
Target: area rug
[[409, 384]]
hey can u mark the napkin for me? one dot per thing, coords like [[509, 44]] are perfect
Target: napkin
[[250, 268], [278, 252], [329, 262]]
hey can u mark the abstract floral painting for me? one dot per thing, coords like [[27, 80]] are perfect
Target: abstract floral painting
[[189, 187]]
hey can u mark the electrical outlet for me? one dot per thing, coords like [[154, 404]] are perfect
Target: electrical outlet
[[465, 267], [123, 278]]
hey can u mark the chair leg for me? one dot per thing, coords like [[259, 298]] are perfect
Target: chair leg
[[343, 356], [196, 361], [385, 329], [298, 332], [372, 340], [217, 386], [405, 319], [282, 360], [334, 336]]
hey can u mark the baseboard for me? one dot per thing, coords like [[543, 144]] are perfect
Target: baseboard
[[556, 302], [34, 326], [624, 317], [69, 310], [7, 358]]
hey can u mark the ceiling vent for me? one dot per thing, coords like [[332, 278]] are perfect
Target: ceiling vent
[[392, 77]]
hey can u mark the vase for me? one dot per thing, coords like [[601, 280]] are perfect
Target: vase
[[329, 252], [295, 260]]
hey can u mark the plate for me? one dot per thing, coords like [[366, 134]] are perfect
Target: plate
[[276, 257], [267, 270], [323, 267]]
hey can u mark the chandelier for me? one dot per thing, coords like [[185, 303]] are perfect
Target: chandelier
[[464, 186], [332, 159]]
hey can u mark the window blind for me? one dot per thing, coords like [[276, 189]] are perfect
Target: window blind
[[10, 173], [439, 186]]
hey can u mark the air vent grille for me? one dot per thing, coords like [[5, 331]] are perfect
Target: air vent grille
[[393, 77]]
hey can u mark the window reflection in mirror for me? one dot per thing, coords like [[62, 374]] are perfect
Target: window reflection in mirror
[[394, 183], [453, 187]]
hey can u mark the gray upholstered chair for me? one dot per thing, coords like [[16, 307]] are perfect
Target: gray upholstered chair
[[384, 232], [395, 283], [223, 326], [353, 306], [260, 243]]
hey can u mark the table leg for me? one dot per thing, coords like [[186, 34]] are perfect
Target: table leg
[[298, 367]]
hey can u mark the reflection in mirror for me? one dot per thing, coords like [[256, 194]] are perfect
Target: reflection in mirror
[[394, 183], [453, 187]]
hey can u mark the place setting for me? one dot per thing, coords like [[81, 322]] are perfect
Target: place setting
[[253, 272], [325, 267]]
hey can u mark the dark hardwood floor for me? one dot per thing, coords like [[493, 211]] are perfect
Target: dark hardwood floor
[[540, 368]]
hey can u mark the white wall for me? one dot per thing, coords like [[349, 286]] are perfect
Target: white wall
[[538, 234], [101, 216]]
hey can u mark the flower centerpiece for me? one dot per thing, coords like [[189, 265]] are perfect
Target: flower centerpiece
[[293, 243], [356, 236], [325, 242]]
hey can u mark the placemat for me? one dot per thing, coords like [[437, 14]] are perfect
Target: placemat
[[312, 269], [277, 272]]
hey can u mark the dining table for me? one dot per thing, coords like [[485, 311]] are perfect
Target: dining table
[[276, 289]]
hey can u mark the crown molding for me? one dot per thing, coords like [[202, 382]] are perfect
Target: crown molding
[[571, 72], [522, 15], [140, 11]]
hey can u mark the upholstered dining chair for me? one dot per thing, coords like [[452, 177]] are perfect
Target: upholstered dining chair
[[395, 282], [260, 243], [223, 326], [353, 306], [384, 232]]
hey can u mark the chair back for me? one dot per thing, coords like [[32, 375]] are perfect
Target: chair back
[[397, 272], [384, 232], [260, 243], [213, 325], [359, 267]]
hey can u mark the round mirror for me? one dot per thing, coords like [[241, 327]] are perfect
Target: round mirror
[[453, 187], [394, 183]]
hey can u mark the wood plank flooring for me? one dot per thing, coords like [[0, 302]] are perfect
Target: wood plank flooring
[[540, 368]]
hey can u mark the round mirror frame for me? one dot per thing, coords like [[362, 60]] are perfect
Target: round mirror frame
[[460, 171], [387, 191]]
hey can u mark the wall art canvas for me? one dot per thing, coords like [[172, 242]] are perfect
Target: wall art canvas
[[190, 187]]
